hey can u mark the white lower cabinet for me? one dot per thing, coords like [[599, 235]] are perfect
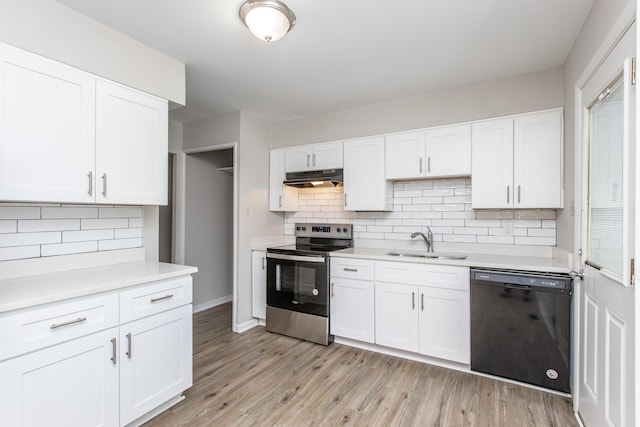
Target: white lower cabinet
[[155, 361], [70, 384], [259, 284], [352, 309], [425, 309], [88, 370]]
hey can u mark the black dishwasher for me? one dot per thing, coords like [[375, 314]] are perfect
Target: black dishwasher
[[520, 326]]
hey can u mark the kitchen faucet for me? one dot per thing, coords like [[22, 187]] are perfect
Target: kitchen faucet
[[428, 238]]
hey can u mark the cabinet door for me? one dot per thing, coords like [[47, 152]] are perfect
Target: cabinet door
[[537, 160], [405, 155], [365, 186], [47, 130], [352, 309], [492, 164], [396, 316], [70, 384], [281, 197], [448, 151], [131, 146], [327, 156], [156, 362], [444, 324], [259, 283], [298, 158]]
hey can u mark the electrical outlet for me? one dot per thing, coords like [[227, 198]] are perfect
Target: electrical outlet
[[508, 228]]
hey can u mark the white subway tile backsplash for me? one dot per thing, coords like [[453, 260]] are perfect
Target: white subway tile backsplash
[[96, 224], [108, 245], [444, 205], [69, 248], [29, 239], [36, 225], [19, 212], [8, 226], [33, 231], [19, 252], [86, 235]]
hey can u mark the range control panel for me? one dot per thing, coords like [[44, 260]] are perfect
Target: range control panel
[[329, 231]]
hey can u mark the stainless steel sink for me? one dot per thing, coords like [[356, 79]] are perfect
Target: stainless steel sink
[[427, 255]]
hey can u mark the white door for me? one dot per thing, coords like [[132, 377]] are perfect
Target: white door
[[606, 370], [352, 308], [131, 146], [327, 156], [73, 384], [47, 130], [298, 158], [155, 361], [259, 284]]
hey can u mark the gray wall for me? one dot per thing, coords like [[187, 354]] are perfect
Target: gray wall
[[597, 25], [209, 225], [51, 29], [529, 92]]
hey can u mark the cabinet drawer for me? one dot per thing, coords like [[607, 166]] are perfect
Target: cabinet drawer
[[154, 298], [445, 276], [350, 268], [397, 272], [35, 328]]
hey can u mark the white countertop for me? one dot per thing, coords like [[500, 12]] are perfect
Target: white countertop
[[41, 289], [529, 263]]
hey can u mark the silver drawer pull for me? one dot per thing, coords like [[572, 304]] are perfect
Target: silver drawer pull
[[355, 270], [128, 352], [161, 298], [70, 322]]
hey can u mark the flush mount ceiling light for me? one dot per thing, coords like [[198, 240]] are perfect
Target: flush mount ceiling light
[[268, 20]]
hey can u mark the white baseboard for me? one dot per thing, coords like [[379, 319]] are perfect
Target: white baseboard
[[245, 326], [212, 303]]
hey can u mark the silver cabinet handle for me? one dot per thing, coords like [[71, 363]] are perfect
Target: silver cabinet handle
[[422, 302], [345, 199], [507, 194], [129, 345], [429, 164], [354, 270], [113, 351], [161, 298], [314, 159], [90, 176], [280, 201], [420, 164], [308, 160], [104, 184], [332, 293], [518, 194], [70, 322], [413, 300], [263, 262]]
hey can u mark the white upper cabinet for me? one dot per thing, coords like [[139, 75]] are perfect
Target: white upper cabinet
[[314, 157], [67, 136], [281, 197], [365, 186], [405, 155], [47, 130], [131, 146], [434, 152], [538, 160], [517, 162], [448, 151]]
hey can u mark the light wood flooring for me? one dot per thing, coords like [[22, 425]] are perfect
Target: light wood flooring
[[263, 379]]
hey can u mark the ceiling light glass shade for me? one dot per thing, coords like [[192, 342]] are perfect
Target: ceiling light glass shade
[[268, 20]]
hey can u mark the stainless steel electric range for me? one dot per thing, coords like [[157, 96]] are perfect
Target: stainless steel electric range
[[298, 281]]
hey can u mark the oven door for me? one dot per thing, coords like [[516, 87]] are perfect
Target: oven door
[[298, 283]]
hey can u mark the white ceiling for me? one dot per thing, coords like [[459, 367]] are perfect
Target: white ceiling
[[343, 53]]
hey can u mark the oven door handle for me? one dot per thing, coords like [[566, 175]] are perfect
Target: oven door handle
[[303, 258]]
